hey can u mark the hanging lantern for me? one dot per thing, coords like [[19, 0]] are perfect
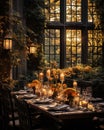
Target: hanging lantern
[[33, 49], [7, 44]]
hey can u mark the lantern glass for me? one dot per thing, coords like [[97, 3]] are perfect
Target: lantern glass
[[7, 43], [33, 49]]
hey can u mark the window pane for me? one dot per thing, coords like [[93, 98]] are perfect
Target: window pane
[[52, 48], [52, 10], [73, 47], [94, 47], [91, 11], [73, 10]]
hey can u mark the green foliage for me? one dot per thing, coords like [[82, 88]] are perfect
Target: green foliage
[[34, 14], [32, 29], [99, 7]]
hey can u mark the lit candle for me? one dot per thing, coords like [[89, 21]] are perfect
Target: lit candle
[[48, 73], [50, 92], [44, 91], [62, 77], [74, 84], [29, 85], [84, 103], [41, 75]]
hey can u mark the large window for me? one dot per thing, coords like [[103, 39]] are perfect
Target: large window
[[70, 37]]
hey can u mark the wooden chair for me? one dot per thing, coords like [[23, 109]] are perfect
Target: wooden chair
[[31, 119], [9, 113], [1, 118], [98, 123]]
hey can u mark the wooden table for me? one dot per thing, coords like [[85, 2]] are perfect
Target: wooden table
[[76, 119], [61, 114], [66, 119]]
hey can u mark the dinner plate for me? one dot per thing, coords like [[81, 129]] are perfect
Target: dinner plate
[[101, 103], [96, 99], [58, 107], [29, 96], [21, 92], [43, 101]]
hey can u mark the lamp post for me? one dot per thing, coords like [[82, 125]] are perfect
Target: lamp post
[[7, 45]]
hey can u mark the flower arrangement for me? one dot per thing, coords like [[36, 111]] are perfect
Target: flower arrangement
[[70, 92], [87, 69], [67, 95], [35, 85], [79, 71]]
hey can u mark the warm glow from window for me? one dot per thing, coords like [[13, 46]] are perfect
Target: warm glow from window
[[73, 10], [94, 46], [52, 11], [73, 47], [91, 11], [52, 45]]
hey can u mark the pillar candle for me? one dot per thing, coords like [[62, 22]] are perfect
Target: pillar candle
[[41, 75], [62, 76], [74, 84], [48, 73]]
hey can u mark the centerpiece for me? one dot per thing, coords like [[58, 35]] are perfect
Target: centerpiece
[[35, 85], [68, 95]]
